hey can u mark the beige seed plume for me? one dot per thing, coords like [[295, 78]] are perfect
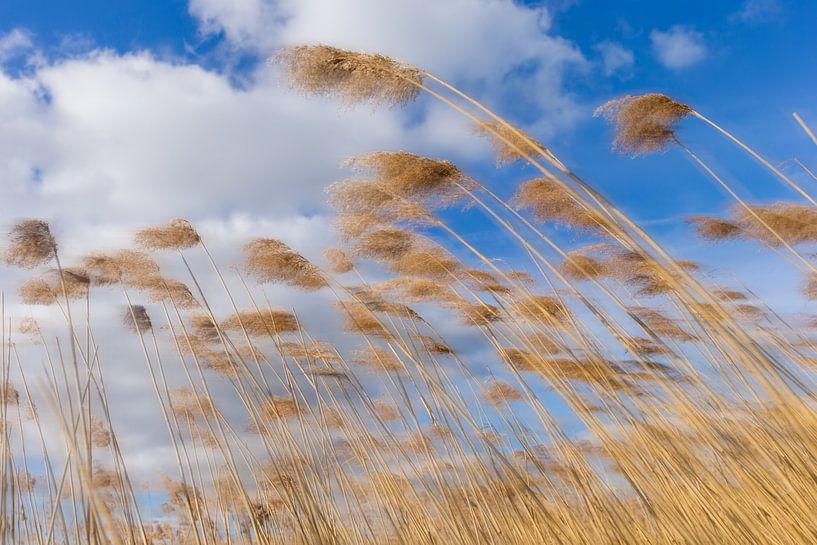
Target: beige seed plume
[[499, 392], [643, 124], [506, 142], [31, 244], [136, 319], [715, 229], [351, 76], [415, 178], [261, 323], [339, 262], [270, 260], [176, 235], [582, 267], [794, 223], [548, 201], [426, 261], [386, 244]]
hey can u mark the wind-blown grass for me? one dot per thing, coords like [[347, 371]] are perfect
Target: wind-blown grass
[[610, 394]]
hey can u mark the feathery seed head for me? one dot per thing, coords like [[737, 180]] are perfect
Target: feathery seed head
[[31, 244], [270, 260], [263, 323], [339, 263], [507, 142], [136, 319], [548, 201], [176, 235], [353, 77], [643, 124]]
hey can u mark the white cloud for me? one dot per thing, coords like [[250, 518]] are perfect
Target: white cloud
[[13, 43], [759, 11], [679, 47], [496, 48], [615, 57]]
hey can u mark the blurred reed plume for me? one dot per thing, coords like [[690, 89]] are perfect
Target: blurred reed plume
[[645, 123], [467, 368]]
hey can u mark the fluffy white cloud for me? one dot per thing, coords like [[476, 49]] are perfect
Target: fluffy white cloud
[[497, 48], [615, 57], [678, 47]]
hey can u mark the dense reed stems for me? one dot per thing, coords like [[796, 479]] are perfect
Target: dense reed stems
[[592, 391]]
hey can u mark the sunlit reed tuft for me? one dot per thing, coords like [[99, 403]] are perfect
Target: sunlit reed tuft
[[176, 235], [31, 244], [351, 76], [643, 124]]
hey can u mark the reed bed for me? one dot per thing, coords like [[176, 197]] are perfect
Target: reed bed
[[608, 393]]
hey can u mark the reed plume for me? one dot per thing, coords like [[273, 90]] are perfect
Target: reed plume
[[176, 235], [273, 261], [353, 77], [644, 124], [31, 244]]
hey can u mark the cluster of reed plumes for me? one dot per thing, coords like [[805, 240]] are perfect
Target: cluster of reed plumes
[[607, 393]]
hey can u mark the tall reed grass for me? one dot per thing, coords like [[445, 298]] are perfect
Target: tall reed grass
[[613, 395]]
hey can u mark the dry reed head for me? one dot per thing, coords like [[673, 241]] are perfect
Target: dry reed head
[[415, 178], [275, 408], [136, 319], [433, 346], [100, 436], [362, 198], [263, 323], [424, 260], [136, 268], [338, 262], [351, 225], [72, 283], [582, 267], [643, 124], [794, 223], [641, 272], [508, 141], [549, 202], [542, 309], [715, 229], [387, 244], [351, 76], [810, 287], [315, 350], [660, 324], [172, 291], [478, 314], [37, 292], [419, 290], [481, 280], [188, 405], [176, 235], [9, 395], [29, 326], [103, 269], [385, 411], [360, 319], [203, 327], [379, 359], [499, 392], [31, 244], [270, 260]]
